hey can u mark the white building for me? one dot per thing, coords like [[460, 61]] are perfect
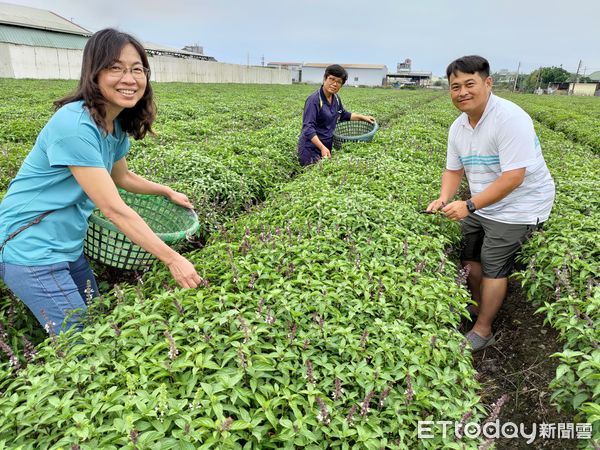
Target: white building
[[358, 74]]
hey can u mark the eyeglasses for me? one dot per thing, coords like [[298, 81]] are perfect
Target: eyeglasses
[[137, 72], [334, 80]]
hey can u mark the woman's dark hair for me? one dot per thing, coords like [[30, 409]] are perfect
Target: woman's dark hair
[[101, 51], [469, 64], [337, 71]]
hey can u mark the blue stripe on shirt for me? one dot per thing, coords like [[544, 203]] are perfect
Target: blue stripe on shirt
[[477, 160]]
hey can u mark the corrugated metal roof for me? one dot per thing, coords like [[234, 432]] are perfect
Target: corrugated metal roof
[[159, 49], [165, 48], [40, 38], [37, 18], [347, 66], [409, 74], [277, 63]]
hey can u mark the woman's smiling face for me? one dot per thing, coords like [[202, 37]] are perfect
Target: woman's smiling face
[[122, 90]]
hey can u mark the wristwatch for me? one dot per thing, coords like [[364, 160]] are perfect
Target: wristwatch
[[470, 206]]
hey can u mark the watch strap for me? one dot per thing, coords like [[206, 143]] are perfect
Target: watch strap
[[471, 206]]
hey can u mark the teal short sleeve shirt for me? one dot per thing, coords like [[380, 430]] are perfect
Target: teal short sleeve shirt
[[45, 182]]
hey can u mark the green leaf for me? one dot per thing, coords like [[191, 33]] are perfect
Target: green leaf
[[205, 422], [579, 399]]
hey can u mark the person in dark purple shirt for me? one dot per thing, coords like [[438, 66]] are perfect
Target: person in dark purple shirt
[[322, 110]]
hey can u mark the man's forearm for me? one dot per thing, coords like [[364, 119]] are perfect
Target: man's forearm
[[499, 189], [450, 183]]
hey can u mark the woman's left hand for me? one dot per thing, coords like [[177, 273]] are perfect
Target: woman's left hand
[[180, 199], [369, 119]]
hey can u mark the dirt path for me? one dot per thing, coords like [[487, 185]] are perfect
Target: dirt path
[[519, 365]]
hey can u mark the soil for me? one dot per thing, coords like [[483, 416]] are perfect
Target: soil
[[519, 364]]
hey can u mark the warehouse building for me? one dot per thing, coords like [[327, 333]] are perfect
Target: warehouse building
[[35, 43], [39, 44]]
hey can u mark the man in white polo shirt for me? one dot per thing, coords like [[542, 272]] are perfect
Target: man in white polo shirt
[[494, 144]]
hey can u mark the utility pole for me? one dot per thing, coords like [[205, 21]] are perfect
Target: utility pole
[[517, 76], [576, 77], [538, 79], [577, 74]]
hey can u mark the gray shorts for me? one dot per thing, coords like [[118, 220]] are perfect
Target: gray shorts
[[493, 244]]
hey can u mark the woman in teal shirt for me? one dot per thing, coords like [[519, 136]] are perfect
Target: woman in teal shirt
[[77, 163]]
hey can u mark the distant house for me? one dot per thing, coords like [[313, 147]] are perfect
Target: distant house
[[294, 67], [412, 78], [595, 76], [358, 74], [504, 76], [584, 89], [405, 76]]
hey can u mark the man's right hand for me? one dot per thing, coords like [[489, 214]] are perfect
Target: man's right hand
[[325, 153], [184, 273], [436, 205]]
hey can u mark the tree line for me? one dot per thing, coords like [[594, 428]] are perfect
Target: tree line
[[539, 78]]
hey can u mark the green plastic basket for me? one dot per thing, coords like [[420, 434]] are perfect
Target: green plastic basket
[[106, 244], [353, 131]]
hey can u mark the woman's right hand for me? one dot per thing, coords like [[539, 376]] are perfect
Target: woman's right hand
[[183, 272], [325, 153]]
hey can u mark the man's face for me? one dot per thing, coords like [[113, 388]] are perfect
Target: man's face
[[470, 92], [332, 84]]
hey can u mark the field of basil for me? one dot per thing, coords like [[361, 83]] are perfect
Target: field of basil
[[330, 310]]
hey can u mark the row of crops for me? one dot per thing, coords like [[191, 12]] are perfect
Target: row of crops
[[328, 316], [577, 120], [562, 275]]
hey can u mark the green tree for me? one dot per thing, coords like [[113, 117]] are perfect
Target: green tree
[[545, 75]]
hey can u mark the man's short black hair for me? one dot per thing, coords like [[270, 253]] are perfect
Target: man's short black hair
[[469, 64], [337, 71]]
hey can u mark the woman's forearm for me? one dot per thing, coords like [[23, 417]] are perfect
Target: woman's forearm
[[137, 184], [318, 143], [134, 227]]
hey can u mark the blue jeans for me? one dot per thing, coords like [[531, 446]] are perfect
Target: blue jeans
[[54, 293]]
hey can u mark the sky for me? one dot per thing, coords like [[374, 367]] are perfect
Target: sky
[[431, 33]]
